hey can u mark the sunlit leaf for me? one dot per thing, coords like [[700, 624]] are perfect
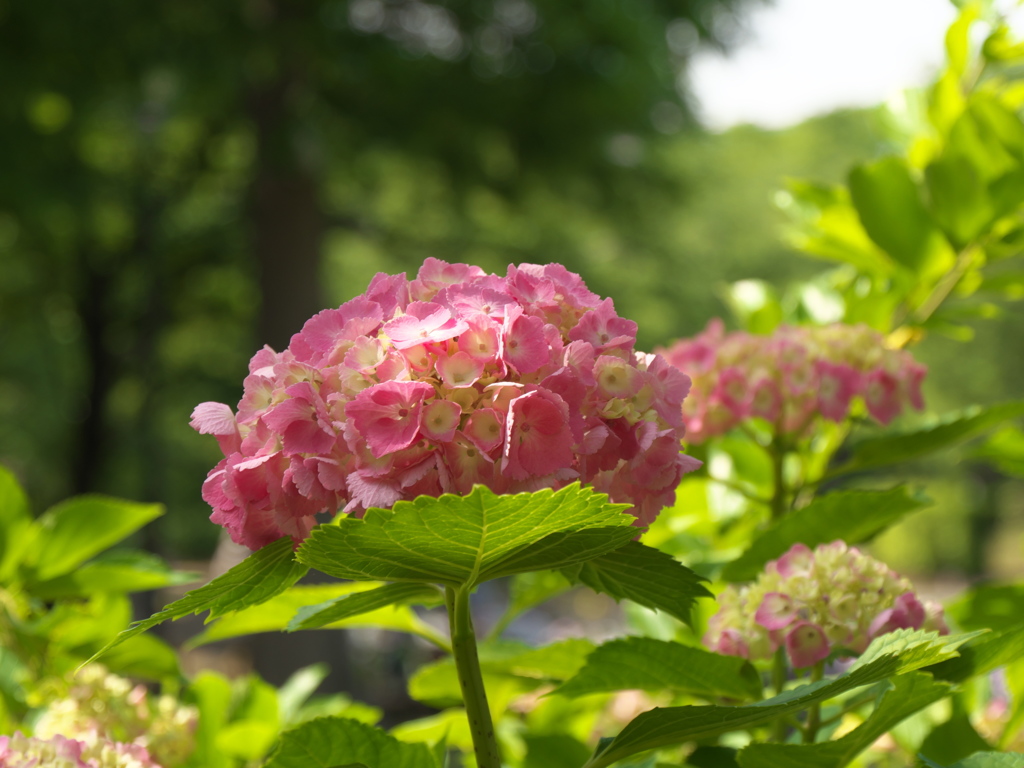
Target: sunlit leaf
[[328, 742]]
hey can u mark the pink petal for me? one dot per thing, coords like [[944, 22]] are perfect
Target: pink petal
[[523, 344], [387, 415], [440, 419], [797, 559], [776, 611], [538, 440], [806, 644], [459, 370]]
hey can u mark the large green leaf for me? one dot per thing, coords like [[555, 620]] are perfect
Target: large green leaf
[[909, 693], [943, 432], [463, 541], [255, 580], [893, 654], [76, 529], [958, 197], [1005, 449], [656, 665], [853, 516], [644, 575], [276, 614], [348, 605], [890, 208], [329, 742], [114, 571]]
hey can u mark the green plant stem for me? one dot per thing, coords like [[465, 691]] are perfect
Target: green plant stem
[[779, 490], [778, 683], [471, 681], [814, 712]]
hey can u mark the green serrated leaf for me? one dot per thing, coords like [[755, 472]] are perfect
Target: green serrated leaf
[[909, 693], [991, 760], [853, 516], [897, 653], [328, 742], [644, 575], [657, 665], [943, 432], [347, 606], [555, 750], [259, 577], [276, 613], [81, 527], [463, 541]]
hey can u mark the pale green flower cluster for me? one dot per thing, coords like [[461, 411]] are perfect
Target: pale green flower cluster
[[813, 602], [102, 707]]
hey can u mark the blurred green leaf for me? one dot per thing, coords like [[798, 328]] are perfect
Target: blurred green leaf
[[114, 571], [984, 654], [829, 228], [81, 527], [247, 739], [657, 665], [1005, 450], [958, 39], [467, 540], [347, 606], [275, 613], [952, 740], [555, 750], [958, 199], [298, 688], [329, 742], [510, 669], [936, 434], [644, 575], [889, 206], [853, 516], [212, 695], [908, 694], [993, 606], [144, 656], [259, 577]]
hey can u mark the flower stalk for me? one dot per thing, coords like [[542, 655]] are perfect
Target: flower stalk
[[471, 682]]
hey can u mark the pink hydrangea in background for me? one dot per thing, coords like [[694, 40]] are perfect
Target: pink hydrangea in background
[[791, 377], [20, 751], [516, 382], [101, 708], [811, 602]]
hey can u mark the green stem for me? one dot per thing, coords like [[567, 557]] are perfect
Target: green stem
[[814, 712], [779, 490], [471, 681], [778, 683]]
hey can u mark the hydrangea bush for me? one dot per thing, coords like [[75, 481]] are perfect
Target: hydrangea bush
[[791, 377], [432, 385], [812, 603]]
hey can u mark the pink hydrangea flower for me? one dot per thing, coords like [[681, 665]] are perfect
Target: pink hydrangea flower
[[792, 377], [456, 378], [813, 602]]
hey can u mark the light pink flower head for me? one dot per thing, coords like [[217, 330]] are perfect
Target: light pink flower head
[[792, 377], [516, 382], [20, 751], [814, 602]]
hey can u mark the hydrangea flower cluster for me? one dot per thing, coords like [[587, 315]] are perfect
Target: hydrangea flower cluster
[[20, 751], [429, 386], [101, 708], [813, 602], [791, 377]]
